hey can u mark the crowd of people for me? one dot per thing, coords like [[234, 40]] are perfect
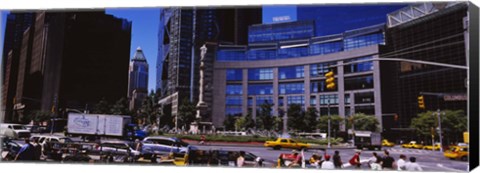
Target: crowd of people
[[326, 161]]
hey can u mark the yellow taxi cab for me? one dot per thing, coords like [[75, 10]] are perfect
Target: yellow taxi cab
[[387, 143], [432, 147], [457, 152], [285, 143], [412, 144]]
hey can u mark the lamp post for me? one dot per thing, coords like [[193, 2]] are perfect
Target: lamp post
[[328, 110], [440, 128]]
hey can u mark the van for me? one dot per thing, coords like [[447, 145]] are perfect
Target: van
[[14, 131]]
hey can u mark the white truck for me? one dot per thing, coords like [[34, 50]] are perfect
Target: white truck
[[102, 125], [368, 139]]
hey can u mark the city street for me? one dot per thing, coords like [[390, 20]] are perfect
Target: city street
[[428, 160]]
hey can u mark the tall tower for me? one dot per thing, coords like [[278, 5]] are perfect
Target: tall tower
[[138, 79]]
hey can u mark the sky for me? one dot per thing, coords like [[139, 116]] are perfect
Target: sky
[[145, 23]]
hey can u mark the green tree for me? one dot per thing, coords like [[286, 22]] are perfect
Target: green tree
[[335, 122], [295, 117], [364, 122], [240, 123], [102, 107], [278, 123], [310, 119], [186, 114], [150, 110], [229, 122], [120, 107], [454, 123], [264, 116], [249, 122]]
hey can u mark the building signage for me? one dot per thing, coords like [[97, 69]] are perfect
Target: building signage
[[281, 18], [458, 97]]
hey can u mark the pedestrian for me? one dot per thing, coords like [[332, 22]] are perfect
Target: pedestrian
[[401, 163], [327, 164], [413, 165], [138, 145], [337, 161], [26, 152], [314, 160], [375, 162], [202, 140], [355, 160], [37, 150], [241, 159], [280, 161], [387, 161], [297, 159]]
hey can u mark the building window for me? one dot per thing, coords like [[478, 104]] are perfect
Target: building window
[[363, 41], [250, 101], [292, 72], [358, 67], [317, 70], [231, 55], [260, 89], [333, 111], [296, 100], [313, 101], [234, 74], [260, 100], [293, 52], [233, 100], [291, 88], [347, 98], [369, 110], [233, 110], [234, 90], [326, 48], [329, 99], [319, 86], [280, 101], [361, 82], [366, 97], [260, 74], [253, 54]]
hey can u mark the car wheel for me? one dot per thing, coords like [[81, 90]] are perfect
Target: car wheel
[[277, 147], [464, 158]]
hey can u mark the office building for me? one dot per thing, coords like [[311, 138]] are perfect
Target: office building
[[435, 33], [137, 79], [285, 65]]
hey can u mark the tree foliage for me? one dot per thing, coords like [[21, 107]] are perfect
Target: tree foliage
[[295, 117], [310, 121], [102, 107], [264, 119], [229, 122], [245, 122], [120, 107], [186, 114], [364, 122], [454, 123], [150, 110], [335, 122]]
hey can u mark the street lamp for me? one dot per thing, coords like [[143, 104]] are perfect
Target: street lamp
[[439, 127], [328, 110]]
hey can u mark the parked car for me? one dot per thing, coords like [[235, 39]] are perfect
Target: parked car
[[14, 131], [11, 147], [412, 144], [432, 147], [457, 152], [118, 148], [387, 143], [286, 143], [51, 144], [160, 144], [36, 129]]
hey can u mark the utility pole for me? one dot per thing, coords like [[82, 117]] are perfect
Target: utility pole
[[328, 110], [440, 129]]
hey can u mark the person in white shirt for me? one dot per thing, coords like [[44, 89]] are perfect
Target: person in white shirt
[[327, 164], [375, 162], [401, 162], [412, 165], [241, 159]]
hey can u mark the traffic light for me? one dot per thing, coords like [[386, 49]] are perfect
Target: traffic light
[[330, 80], [421, 102], [395, 117]]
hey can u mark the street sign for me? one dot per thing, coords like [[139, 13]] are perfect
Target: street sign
[[457, 97]]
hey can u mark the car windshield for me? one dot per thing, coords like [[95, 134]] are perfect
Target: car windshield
[[18, 127]]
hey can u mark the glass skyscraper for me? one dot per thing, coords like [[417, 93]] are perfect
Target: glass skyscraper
[[138, 79]]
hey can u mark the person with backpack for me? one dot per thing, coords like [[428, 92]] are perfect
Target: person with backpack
[[337, 160]]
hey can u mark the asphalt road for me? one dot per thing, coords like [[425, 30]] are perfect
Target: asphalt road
[[428, 160]]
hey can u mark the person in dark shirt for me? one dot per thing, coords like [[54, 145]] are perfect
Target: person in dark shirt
[[387, 161], [26, 152], [337, 160]]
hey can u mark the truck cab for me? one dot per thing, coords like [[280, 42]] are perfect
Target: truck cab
[[367, 139]]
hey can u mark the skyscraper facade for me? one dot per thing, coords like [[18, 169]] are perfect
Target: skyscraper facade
[[72, 60], [137, 79], [185, 31]]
